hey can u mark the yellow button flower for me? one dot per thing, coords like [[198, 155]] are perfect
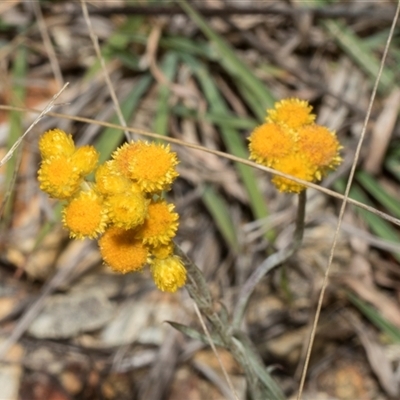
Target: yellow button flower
[[291, 112], [160, 225], [85, 159], [122, 251], [169, 274], [110, 181], [162, 250], [270, 142], [59, 177], [320, 147], [296, 166], [151, 165], [127, 210], [56, 142], [85, 215], [292, 143]]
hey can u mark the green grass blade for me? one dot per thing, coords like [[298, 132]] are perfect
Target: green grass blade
[[111, 138], [219, 210], [219, 119], [230, 62], [19, 72], [392, 163], [375, 223], [379, 193], [232, 139], [374, 316], [359, 52], [168, 67]]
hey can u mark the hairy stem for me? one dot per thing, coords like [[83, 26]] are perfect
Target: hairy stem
[[199, 292]]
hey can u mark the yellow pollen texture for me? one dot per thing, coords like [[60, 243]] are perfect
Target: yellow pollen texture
[[58, 177], [124, 157], [56, 142], [293, 165], [318, 144], [269, 142], [121, 251], [109, 181], [153, 167], [85, 159], [84, 216], [161, 224], [127, 210], [169, 274], [292, 143], [163, 250], [292, 112]]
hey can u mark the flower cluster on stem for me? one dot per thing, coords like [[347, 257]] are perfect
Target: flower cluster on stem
[[122, 208], [291, 142]]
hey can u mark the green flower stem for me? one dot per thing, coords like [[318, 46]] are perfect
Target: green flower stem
[[271, 262], [243, 354]]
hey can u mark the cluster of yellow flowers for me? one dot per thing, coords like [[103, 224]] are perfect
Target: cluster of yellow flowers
[[122, 208], [291, 142]]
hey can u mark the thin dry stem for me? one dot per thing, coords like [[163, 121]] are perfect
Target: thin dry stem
[[344, 203], [55, 66], [104, 68], [38, 118]]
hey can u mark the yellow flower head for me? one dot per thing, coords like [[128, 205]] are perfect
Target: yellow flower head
[[55, 143], [121, 251], [293, 113], [169, 274], [292, 143], [160, 225], [151, 165], [59, 177], [320, 147], [85, 159], [85, 215], [127, 210], [162, 250], [294, 165], [269, 143], [110, 181]]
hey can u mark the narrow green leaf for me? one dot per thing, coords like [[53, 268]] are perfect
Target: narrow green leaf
[[168, 67], [373, 187], [272, 388], [375, 317], [230, 61], [219, 210], [194, 334], [359, 52], [215, 118], [109, 140], [232, 138], [392, 163], [19, 71], [376, 224]]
